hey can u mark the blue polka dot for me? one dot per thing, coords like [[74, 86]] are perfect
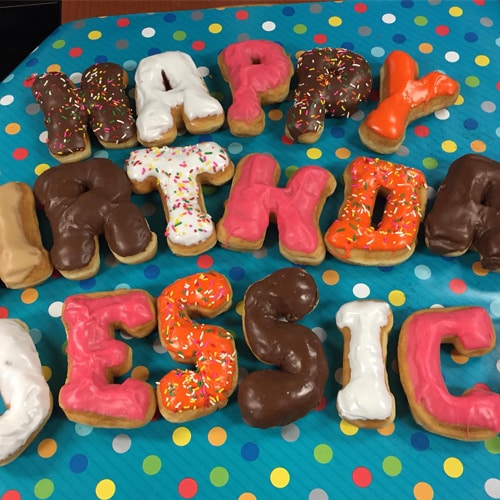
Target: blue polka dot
[[88, 284], [170, 17], [347, 45], [399, 38], [78, 463], [101, 58], [151, 272], [250, 451], [407, 4], [471, 37], [288, 11], [32, 62], [205, 138], [337, 132], [386, 269], [420, 441], [470, 124], [153, 51], [237, 273]]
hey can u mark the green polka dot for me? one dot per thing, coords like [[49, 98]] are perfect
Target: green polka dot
[[300, 29], [472, 81], [420, 21], [430, 163], [179, 35], [392, 466], [44, 488], [290, 170], [151, 465], [323, 453], [58, 44], [493, 445], [219, 476]]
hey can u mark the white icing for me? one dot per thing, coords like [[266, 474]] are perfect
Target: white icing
[[154, 102], [23, 388], [366, 396], [177, 169]]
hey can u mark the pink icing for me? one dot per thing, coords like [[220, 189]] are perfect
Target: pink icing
[[254, 197], [254, 67], [425, 332], [93, 353]]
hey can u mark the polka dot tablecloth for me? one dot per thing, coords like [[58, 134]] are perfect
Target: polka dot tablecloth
[[319, 456]]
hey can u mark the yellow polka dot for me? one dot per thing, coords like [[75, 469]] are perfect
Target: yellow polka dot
[[423, 491], [397, 297], [425, 48], [482, 60], [105, 489], [460, 359], [140, 373], [275, 115], [29, 295], [12, 128], [41, 168], [47, 372], [181, 436], [331, 277], [455, 11], [247, 496], [54, 67], [478, 269], [279, 477], [215, 28], [459, 101], [47, 448], [348, 429], [217, 436], [387, 430], [342, 153], [239, 308], [449, 146], [95, 35], [478, 146], [314, 153], [453, 467]]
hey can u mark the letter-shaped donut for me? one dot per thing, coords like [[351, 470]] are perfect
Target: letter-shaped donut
[[170, 95], [95, 357], [269, 398], [476, 414], [353, 238], [296, 208], [404, 99], [83, 200], [330, 82], [258, 73], [24, 262], [177, 173], [23, 388], [465, 213], [184, 395], [365, 399]]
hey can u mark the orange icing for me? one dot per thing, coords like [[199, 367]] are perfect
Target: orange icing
[[210, 347], [402, 215]]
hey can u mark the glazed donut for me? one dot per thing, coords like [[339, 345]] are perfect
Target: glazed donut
[[23, 388], [352, 237], [101, 102], [170, 96], [254, 199], [189, 394], [474, 416], [465, 211], [365, 399], [95, 357], [404, 99], [269, 398], [178, 173], [258, 73], [24, 262], [330, 82], [84, 200]]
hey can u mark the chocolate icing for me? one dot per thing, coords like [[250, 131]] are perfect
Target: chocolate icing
[[83, 200], [465, 212], [277, 397], [331, 82]]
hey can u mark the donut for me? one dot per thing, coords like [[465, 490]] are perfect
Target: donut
[[171, 96], [258, 73], [330, 82], [465, 211], [83, 200], [356, 237], [365, 399], [24, 261], [271, 308], [89, 395], [189, 394], [23, 389], [404, 98], [178, 173], [100, 102], [255, 199], [473, 416]]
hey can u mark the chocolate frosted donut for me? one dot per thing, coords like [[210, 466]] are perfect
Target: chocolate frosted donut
[[270, 398], [331, 82]]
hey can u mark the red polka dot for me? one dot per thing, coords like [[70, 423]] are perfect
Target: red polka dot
[[479, 2], [458, 286], [188, 488], [241, 15], [4, 313], [321, 405], [198, 45], [361, 477], [205, 261], [28, 82], [421, 131], [286, 140], [75, 52], [320, 38], [360, 8], [442, 30], [123, 22], [11, 495], [498, 86], [20, 154]]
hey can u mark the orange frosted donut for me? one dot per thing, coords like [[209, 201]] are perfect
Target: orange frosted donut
[[188, 394], [353, 237]]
